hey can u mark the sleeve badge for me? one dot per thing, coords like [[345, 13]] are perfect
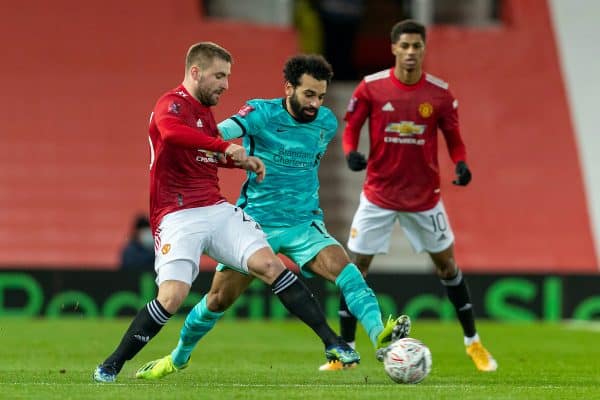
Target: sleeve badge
[[245, 110], [174, 108], [352, 104]]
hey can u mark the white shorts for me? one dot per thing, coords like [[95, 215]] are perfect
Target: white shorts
[[372, 227], [223, 231]]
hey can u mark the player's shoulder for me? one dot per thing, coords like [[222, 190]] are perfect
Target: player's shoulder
[[259, 101], [327, 118], [436, 82], [377, 76], [176, 95], [326, 113], [256, 109], [265, 103], [175, 101], [265, 106]]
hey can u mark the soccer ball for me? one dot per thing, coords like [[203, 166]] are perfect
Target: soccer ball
[[407, 361]]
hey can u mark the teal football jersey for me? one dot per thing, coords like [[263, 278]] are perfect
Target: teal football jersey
[[291, 151]]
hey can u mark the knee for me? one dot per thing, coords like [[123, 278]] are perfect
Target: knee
[[270, 269], [265, 265], [272, 264], [171, 300], [171, 294], [446, 269]]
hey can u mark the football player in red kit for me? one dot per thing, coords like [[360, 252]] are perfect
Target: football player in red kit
[[406, 106]]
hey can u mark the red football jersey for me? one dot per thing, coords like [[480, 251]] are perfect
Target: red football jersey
[[183, 164], [403, 171]]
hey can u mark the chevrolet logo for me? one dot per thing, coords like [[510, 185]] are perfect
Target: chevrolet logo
[[405, 128]]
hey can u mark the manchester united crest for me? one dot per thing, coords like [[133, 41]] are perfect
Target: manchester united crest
[[425, 109]]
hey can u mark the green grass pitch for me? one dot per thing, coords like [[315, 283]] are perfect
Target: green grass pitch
[[54, 359]]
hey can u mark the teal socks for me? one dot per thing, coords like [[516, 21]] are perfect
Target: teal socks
[[199, 321], [361, 300]]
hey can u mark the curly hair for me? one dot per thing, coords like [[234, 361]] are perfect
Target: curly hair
[[314, 65]]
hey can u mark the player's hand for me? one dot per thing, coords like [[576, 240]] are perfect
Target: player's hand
[[463, 174], [222, 158], [356, 161], [255, 165], [236, 152]]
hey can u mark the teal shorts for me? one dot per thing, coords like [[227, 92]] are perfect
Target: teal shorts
[[300, 243]]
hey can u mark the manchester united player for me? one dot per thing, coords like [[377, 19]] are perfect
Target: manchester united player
[[189, 216], [406, 106]]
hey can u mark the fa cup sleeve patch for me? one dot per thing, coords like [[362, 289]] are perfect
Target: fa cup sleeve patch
[[245, 110]]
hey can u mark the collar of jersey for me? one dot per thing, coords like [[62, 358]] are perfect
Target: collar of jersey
[[404, 86]]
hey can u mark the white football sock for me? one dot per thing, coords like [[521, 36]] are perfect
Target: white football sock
[[470, 340]]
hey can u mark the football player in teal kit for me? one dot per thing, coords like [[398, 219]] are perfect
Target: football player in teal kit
[[290, 135]]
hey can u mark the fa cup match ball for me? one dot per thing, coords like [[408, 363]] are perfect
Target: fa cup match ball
[[407, 361]]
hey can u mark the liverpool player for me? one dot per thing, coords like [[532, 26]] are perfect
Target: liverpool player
[[189, 216], [291, 135], [406, 107]]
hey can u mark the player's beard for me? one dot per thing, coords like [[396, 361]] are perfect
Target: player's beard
[[298, 110], [208, 98]]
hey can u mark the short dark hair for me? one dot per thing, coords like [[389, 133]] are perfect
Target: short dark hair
[[314, 65], [204, 53], [407, 26]]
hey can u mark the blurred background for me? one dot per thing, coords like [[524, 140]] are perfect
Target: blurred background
[[79, 80]]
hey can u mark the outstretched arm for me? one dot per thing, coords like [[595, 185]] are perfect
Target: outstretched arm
[[251, 163], [255, 165]]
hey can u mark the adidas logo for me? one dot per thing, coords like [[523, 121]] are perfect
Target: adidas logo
[[442, 237], [387, 107], [141, 338]]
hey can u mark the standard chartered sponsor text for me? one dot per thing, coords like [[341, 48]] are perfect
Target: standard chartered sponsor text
[[294, 158]]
